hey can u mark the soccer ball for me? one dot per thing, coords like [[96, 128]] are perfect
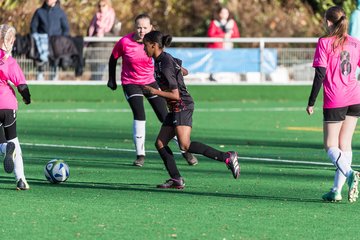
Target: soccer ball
[[56, 171]]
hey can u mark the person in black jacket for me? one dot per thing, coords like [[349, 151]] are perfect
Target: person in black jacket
[[48, 20], [178, 121]]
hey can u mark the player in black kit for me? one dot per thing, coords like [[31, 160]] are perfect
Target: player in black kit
[[178, 121]]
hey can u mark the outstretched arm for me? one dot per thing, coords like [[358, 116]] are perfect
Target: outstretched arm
[[173, 95]]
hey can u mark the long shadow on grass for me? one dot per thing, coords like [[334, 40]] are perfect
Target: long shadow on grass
[[144, 187], [226, 137]]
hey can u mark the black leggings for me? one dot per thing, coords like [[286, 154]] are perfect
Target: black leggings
[[157, 103]]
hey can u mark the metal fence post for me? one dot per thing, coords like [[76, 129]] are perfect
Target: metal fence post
[[262, 47]]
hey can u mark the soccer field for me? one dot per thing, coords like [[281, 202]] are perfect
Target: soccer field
[[284, 170]]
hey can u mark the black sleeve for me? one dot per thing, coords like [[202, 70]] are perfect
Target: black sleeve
[[318, 80], [112, 73], [23, 89], [169, 72], [178, 61]]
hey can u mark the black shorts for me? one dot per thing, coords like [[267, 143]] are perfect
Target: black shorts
[[182, 118], [133, 90], [339, 114], [8, 123]]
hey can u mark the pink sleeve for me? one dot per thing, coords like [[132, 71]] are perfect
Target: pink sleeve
[[118, 49], [16, 75], [320, 57], [110, 19]]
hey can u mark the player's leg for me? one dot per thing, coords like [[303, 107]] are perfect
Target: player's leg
[[183, 132], [134, 96], [158, 104], [8, 149], [345, 143], [230, 158], [331, 144], [165, 135], [345, 147], [3, 142], [11, 136], [332, 133]]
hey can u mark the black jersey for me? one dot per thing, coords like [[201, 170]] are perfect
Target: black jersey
[[169, 77]]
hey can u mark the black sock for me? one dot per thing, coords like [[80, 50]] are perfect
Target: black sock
[[207, 151], [169, 162]]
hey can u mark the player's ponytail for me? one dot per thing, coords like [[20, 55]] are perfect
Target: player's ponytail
[[339, 28], [7, 38], [166, 40], [159, 38]]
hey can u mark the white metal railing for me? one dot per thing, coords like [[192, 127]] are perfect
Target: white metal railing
[[296, 60]]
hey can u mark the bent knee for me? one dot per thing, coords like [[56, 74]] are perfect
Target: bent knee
[[184, 147], [159, 144]]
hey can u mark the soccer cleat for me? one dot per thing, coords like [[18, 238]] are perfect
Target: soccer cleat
[[173, 183], [9, 157], [22, 185], [353, 182], [332, 196], [139, 162], [233, 164], [191, 159]]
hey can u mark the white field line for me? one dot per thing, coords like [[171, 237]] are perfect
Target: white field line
[[152, 151], [127, 110]]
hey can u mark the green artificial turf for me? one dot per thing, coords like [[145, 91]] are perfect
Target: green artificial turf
[[278, 195]]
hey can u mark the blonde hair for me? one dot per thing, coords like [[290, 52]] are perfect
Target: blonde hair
[[7, 38], [107, 2], [339, 28]]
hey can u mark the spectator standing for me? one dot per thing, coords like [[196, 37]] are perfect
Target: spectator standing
[[223, 26], [354, 26], [48, 20], [102, 24]]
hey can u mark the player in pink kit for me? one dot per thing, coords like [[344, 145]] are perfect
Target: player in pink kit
[[11, 72], [336, 57], [137, 72]]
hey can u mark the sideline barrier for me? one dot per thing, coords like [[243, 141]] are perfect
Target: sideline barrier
[[237, 60], [263, 62]]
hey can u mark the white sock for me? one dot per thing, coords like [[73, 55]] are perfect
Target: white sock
[[340, 179], [139, 136], [18, 161], [176, 140], [3, 147], [340, 161]]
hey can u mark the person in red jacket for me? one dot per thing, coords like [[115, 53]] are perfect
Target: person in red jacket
[[223, 26]]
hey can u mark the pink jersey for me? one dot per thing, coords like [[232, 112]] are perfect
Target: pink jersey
[[137, 67], [9, 71], [341, 88]]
